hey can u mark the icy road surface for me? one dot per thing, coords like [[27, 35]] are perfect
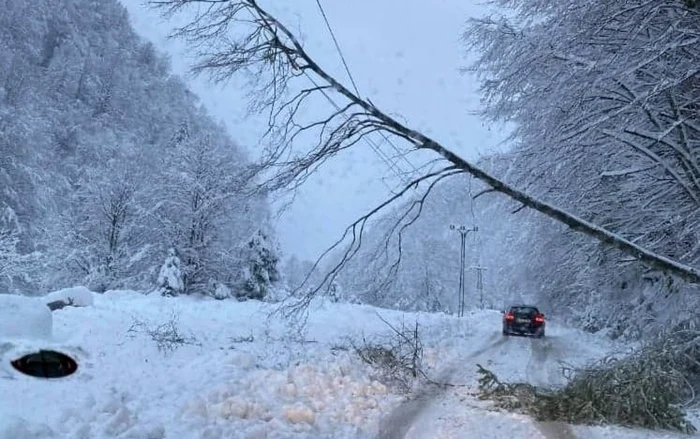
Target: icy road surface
[[240, 375]]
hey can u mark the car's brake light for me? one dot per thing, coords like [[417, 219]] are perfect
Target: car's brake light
[[510, 316], [539, 319]]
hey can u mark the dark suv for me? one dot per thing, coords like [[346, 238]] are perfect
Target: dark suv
[[523, 320]]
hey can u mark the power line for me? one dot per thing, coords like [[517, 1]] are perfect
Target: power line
[[337, 46], [354, 84], [392, 166]]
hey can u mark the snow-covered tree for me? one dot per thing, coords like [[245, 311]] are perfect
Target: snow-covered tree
[[10, 258], [260, 273], [171, 278], [220, 291], [335, 291], [615, 129], [204, 208]]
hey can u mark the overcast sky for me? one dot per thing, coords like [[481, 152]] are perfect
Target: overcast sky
[[404, 54]]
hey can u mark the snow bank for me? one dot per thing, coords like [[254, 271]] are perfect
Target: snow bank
[[24, 317], [75, 296]]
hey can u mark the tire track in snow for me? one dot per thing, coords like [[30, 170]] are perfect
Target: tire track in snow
[[404, 421], [536, 371], [496, 339], [543, 352], [400, 422]]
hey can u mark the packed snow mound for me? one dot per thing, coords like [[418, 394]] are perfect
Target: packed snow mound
[[75, 296], [24, 318]]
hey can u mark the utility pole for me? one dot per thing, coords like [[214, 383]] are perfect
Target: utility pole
[[463, 232], [480, 283]]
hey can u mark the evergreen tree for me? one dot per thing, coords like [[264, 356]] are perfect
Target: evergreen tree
[[261, 272]]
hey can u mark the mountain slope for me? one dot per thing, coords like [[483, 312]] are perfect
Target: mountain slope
[[106, 158]]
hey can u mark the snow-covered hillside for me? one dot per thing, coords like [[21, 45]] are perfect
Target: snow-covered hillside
[[239, 373]]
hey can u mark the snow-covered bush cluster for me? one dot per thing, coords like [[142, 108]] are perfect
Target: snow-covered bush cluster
[[108, 161]]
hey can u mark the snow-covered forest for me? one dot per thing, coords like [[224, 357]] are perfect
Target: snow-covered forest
[[108, 162], [604, 98]]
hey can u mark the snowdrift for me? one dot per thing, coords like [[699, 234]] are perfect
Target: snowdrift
[[75, 296], [24, 318]]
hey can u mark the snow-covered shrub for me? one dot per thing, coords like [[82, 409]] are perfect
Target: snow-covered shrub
[[261, 271], [167, 335], [170, 280], [221, 291], [398, 360], [335, 292]]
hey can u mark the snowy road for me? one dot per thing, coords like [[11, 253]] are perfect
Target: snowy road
[[455, 413], [451, 410]]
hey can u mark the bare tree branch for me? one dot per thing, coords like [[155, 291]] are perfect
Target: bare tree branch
[[483, 192], [355, 232]]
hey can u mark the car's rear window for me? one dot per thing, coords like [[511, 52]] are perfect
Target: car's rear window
[[524, 310]]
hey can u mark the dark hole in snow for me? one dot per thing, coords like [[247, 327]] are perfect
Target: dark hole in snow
[[46, 364]]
